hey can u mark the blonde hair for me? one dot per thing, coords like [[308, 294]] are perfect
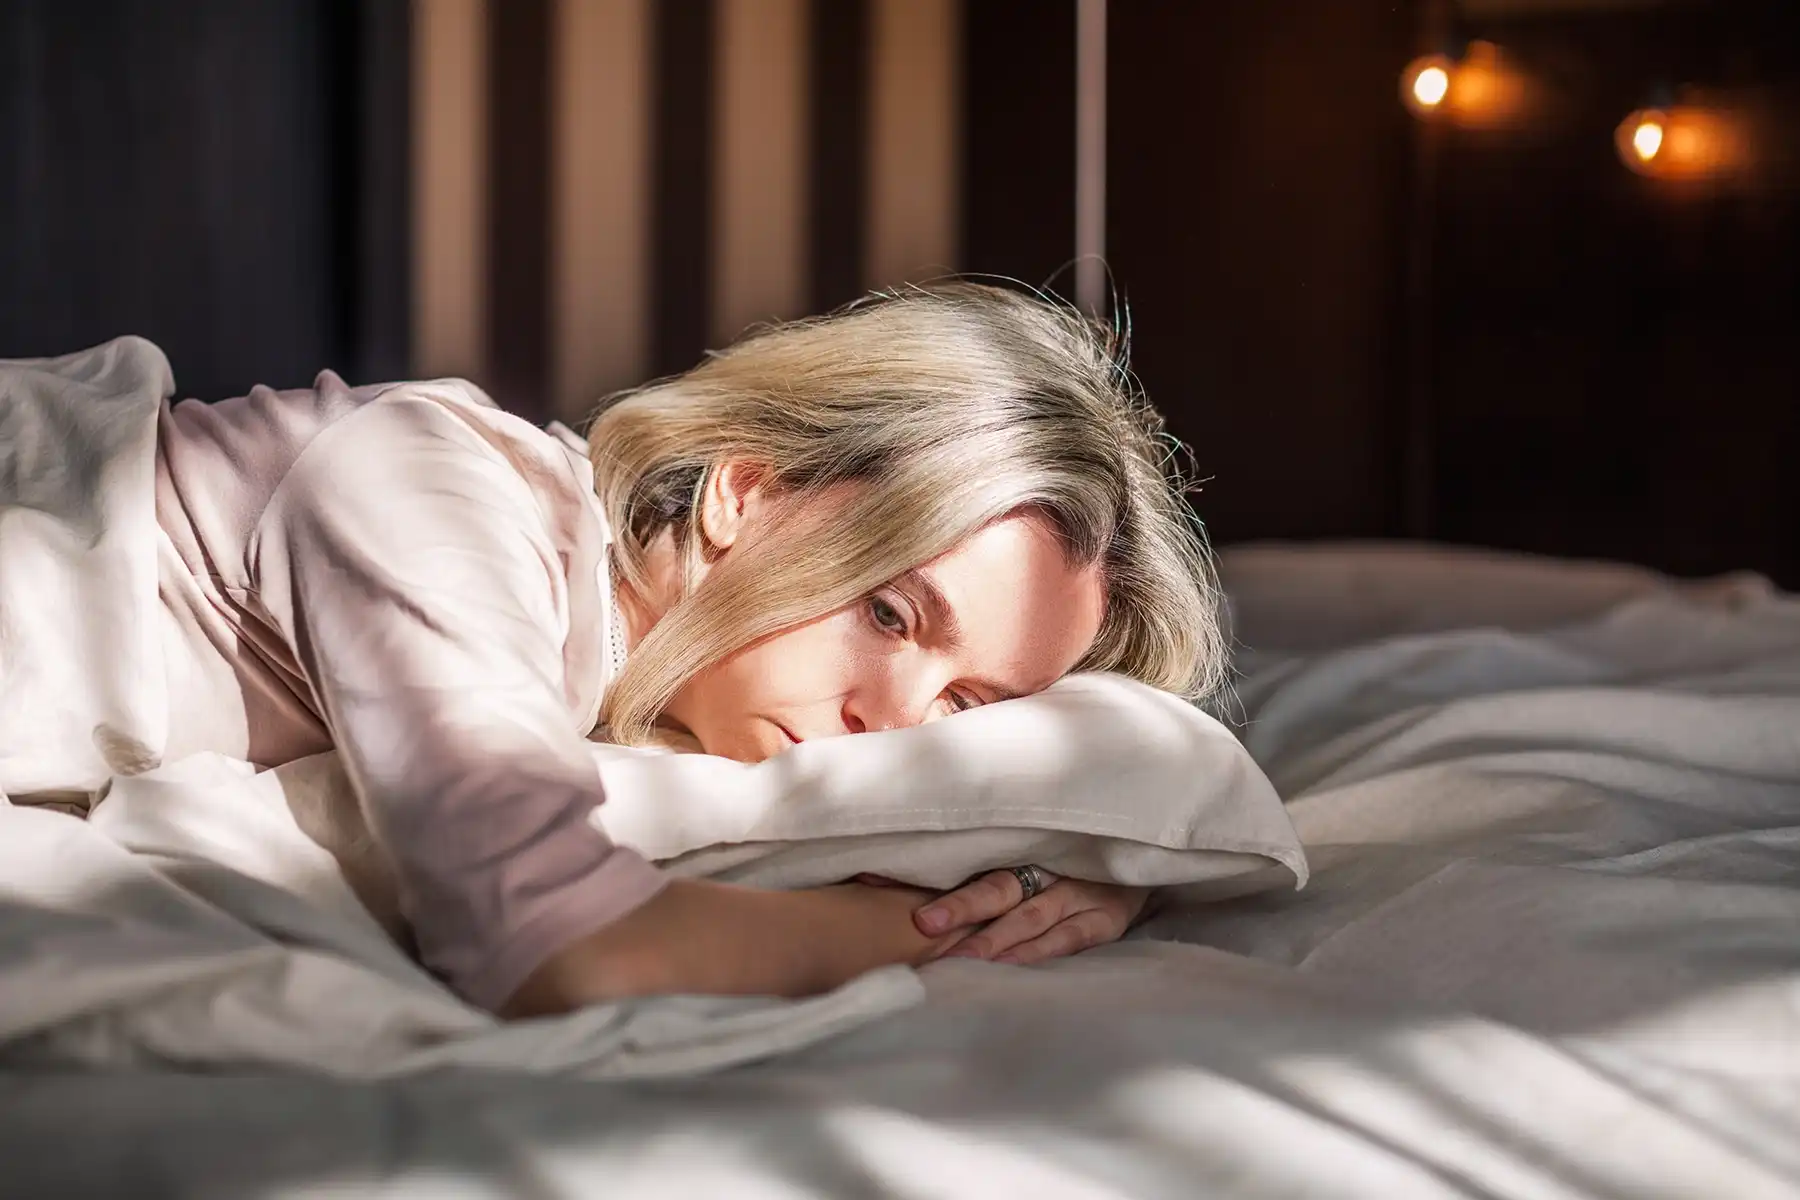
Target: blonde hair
[[954, 405]]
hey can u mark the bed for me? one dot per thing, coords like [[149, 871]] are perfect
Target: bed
[[1550, 948]]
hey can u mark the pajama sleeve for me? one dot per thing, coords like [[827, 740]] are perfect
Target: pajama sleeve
[[408, 563]]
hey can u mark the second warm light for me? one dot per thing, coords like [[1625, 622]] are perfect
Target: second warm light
[[1692, 140]]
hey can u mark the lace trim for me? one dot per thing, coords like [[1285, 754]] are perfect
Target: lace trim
[[615, 624]]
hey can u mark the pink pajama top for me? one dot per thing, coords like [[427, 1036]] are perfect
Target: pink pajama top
[[418, 579]]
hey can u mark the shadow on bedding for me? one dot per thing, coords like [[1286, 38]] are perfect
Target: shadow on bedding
[[1143, 1071]]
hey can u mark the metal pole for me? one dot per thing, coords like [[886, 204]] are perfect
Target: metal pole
[[1090, 155]]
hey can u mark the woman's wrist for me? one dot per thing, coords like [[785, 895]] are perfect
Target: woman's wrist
[[707, 938], [879, 924]]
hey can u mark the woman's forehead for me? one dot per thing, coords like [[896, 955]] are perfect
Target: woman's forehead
[[1023, 612]]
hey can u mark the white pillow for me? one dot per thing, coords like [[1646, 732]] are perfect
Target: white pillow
[[1098, 777]]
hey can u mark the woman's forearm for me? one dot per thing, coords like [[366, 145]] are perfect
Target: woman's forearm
[[716, 939]]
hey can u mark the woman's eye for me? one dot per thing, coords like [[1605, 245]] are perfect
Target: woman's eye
[[886, 615], [962, 703]]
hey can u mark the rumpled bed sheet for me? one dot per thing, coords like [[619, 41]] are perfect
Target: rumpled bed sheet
[[1551, 948]]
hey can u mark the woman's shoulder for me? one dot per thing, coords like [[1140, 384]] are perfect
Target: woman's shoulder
[[248, 444], [553, 452], [283, 422], [264, 433], [225, 462]]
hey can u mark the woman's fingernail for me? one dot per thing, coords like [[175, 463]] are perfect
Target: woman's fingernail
[[934, 920], [1007, 958], [964, 951]]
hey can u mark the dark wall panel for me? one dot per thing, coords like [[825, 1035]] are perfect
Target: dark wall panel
[[838, 182], [167, 169], [1256, 164], [681, 194], [1019, 139], [1616, 361], [374, 149], [519, 215]]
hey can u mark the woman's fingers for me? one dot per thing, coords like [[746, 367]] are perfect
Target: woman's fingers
[[984, 899], [1083, 931], [1029, 920], [1070, 916], [947, 944]]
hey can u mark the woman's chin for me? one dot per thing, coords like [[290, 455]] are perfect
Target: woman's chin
[[756, 740], [760, 740]]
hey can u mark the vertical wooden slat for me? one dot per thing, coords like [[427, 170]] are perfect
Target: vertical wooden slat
[[915, 118], [449, 192], [600, 260], [682, 182], [760, 193]]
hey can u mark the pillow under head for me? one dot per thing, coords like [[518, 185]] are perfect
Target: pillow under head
[[1098, 777]]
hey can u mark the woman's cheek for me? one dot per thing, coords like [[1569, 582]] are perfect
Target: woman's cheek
[[863, 654], [831, 661], [815, 662]]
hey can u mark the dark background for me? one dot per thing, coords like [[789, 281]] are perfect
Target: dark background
[[1363, 326]]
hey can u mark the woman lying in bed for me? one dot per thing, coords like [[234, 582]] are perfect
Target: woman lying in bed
[[926, 502]]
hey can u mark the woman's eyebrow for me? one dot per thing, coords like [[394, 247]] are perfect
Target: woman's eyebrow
[[937, 608], [943, 618]]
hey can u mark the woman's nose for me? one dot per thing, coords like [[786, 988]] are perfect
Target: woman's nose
[[893, 703]]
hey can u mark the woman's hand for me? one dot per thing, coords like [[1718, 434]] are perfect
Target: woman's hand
[[1067, 917]]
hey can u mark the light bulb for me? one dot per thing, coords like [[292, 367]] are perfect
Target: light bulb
[[1431, 86], [1426, 83], [1647, 138]]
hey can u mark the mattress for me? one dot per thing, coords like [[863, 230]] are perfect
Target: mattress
[[1551, 948]]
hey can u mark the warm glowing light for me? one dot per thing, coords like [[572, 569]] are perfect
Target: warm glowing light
[[1426, 83], [1686, 141], [1431, 86], [1481, 88]]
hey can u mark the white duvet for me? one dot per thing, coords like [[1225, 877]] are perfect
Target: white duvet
[[1551, 948]]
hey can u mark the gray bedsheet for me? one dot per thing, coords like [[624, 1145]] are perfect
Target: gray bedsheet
[[1551, 949]]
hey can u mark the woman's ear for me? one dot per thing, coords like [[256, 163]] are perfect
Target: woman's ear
[[734, 494]]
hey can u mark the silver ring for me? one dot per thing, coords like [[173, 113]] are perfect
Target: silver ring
[[1031, 881]]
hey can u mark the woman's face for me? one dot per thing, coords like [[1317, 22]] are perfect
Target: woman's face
[[1003, 614]]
